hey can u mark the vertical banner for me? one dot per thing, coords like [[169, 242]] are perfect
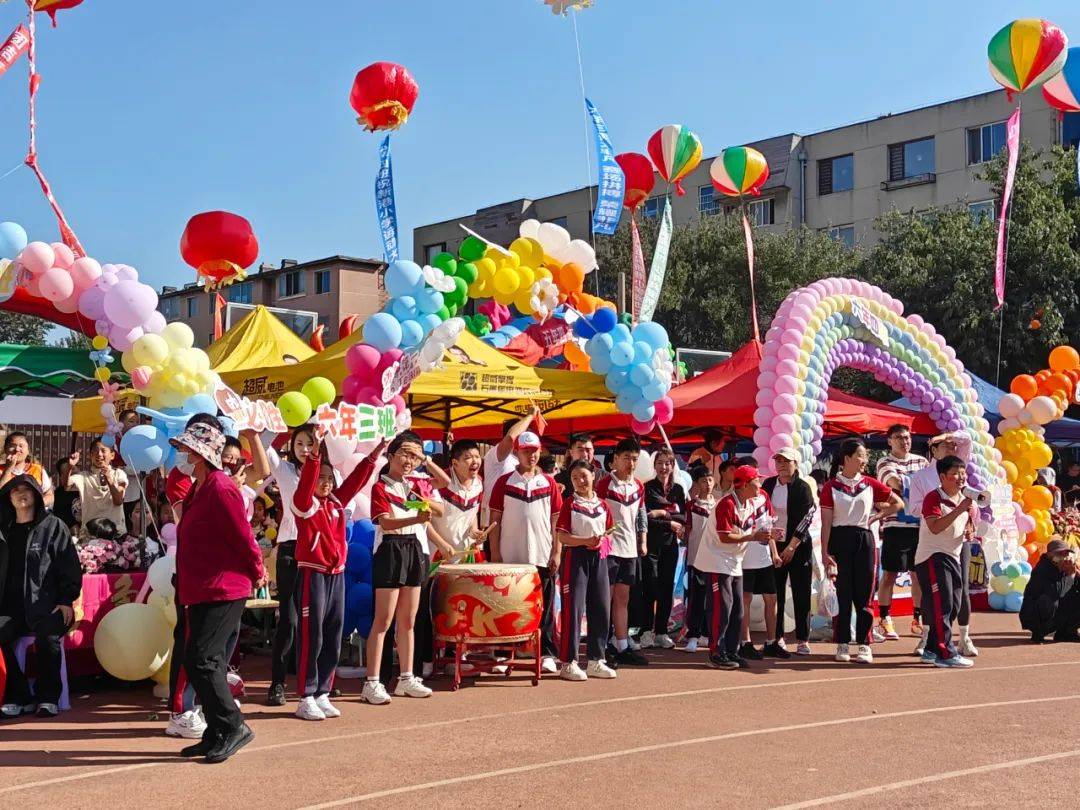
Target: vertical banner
[[14, 46], [658, 268], [637, 266], [1012, 143], [384, 203], [749, 234], [219, 316], [611, 183]]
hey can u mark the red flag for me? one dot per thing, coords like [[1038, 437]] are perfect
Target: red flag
[[14, 46], [219, 324], [637, 263], [541, 424]]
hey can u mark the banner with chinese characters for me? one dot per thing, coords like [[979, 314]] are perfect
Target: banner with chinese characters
[[611, 182], [384, 203], [399, 374], [247, 414], [14, 46], [362, 423], [658, 268], [871, 323]]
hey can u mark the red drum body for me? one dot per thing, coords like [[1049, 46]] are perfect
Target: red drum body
[[486, 603]]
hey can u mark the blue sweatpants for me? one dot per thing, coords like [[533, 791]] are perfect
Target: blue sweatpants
[[320, 610]]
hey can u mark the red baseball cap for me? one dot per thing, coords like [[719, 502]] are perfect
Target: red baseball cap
[[744, 475], [529, 440]]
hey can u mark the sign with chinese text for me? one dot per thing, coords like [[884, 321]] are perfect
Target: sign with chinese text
[[247, 414], [361, 422]]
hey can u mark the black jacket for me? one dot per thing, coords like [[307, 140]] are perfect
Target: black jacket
[[800, 512], [53, 572], [674, 503], [1046, 580]]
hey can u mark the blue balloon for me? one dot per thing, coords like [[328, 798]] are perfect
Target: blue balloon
[[363, 532], [358, 563], [599, 346], [616, 380], [643, 352], [641, 375], [621, 334], [584, 329], [651, 333], [1013, 601], [360, 599], [604, 320], [653, 391], [402, 277], [601, 364], [200, 403], [12, 239], [622, 354], [996, 570], [411, 334], [403, 308], [1025, 568], [625, 402], [996, 600], [144, 448], [382, 331], [109, 440], [644, 411], [429, 321], [428, 300]]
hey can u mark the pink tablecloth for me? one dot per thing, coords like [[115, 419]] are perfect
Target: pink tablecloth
[[100, 594]]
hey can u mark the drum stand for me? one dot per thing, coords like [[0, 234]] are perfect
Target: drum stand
[[462, 647]]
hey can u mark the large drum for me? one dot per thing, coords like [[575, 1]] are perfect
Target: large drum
[[486, 603]]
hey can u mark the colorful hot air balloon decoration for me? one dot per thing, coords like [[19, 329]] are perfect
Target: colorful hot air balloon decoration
[[564, 6], [383, 95], [640, 178], [50, 7], [675, 151], [738, 171], [219, 245], [1026, 53], [1062, 92]]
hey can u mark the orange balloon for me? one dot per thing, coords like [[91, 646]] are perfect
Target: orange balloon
[[1035, 324], [607, 305], [583, 302], [1064, 357], [1054, 382], [1024, 386], [571, 278], [1042, 374], [576, 356]]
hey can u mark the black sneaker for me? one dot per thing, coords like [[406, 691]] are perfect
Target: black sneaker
[[631, 658], [721, 661], [335, 692], [750, 652], [741, 662], [774, 650], [47, 710], [230, 744], [201, 748], [275, 696]]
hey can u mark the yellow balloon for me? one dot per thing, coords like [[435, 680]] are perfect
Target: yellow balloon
[[526, 277], [150, 350], [485, 268], [1010, 471], [132, 641], [178, 335], [162, 675], [1041, 455], [182, 361], [102, 374], [543, 274], [99, 342], [128, 361], [506, 281], [523, 300]]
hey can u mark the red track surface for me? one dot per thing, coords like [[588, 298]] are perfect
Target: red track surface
[[893, 734]]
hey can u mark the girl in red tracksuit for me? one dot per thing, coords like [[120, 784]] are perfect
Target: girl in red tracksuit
[[319, 596]]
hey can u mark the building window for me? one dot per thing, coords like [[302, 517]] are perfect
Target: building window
[[322, 282], [192, 307], [290, 284], [653, 207], [239, 293], [169, 307], [844, 234], [1070, 130], [761, 212], [560, 221], [984, 142], [911, 159], [835, 174], [706, 201], [983, 210], [431, 251]]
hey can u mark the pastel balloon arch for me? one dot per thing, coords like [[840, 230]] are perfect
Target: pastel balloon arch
[[843, 322]]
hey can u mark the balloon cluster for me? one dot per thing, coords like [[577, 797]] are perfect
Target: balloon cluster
[[297, 406], [1007, 583], [421, 298], [167, 368], [359, 596]]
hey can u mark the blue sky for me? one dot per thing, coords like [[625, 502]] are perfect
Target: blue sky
[[152, 111]]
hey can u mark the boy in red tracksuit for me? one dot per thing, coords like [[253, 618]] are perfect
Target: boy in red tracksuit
[[319, 596]]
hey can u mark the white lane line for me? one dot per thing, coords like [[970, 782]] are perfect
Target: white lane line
[[647, 749], [434, 724], [926, 780]]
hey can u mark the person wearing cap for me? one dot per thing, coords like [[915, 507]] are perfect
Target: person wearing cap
[[850, 504], [501, 458], [795, 506], [737, 522], [700, 505], [922, 484], [948, 516], [218, 564], [900, 532], [1052, 596], [1047, 477], [525, 504]]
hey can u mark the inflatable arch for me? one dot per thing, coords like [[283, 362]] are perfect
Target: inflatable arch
[[843, 322]]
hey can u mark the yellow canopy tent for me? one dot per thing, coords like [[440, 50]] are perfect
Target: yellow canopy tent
[[259, 339]]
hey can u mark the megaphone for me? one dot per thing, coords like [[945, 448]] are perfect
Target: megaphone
[[980, 497]]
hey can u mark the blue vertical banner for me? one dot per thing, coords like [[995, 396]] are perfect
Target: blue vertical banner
[[384, 203], [611, 182]]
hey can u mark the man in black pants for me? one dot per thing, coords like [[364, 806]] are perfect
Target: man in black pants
[[665, 506], [1052, 596], [282, 651]]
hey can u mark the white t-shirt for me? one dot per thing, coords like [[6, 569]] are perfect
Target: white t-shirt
[[852, 499], [527, 506], [493, 471], [699, 511], [133, 492], [938, 504], [779, 505], [730, 514], [95, 498], [461, 502], [890, 467], [624, 499], [389, 498], [922, 484]]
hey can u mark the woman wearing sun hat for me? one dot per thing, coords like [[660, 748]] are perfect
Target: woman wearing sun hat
[[218, 563]]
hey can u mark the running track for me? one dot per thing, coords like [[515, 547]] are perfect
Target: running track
[[801, 733]]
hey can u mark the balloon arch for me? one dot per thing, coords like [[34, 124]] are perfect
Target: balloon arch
[[843, 322]]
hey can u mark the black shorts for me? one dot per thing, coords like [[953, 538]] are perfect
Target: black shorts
[[623, 570], [759, 580], [399, 562], [898, 546]]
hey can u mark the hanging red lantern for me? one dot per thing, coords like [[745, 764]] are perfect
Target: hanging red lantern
[[640, 178], [219, 245], [383, 95]]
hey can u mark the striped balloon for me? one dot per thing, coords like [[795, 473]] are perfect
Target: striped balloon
[[1026, 53], [675, 151], [739, 170], [1063, 91]]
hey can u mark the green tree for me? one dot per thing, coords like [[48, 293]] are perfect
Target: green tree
[[24, 330], [74, 340]]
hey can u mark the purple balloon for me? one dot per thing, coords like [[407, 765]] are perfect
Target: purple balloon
[[154, 324], [126, 272], [130, 303], [92, 303]]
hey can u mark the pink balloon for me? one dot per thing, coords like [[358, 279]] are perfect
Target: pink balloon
[[766, 380], [63, 255], [388, 359], [126, 272], [56, 284], [762, 455], [786, 385], [763, 415], [785, 403], [399, 404], [92, 304], [69, 305], [140, 377], [121, 338], [85, 272], [351, 388], [665, 409], [768, 364], [778, 442], [789, 351], [37, 257], [107, 281], [783, 423], [155, 324], [369, 396], [362, 359], [129, 303], [762, 435], [787, 368], [642, 428]]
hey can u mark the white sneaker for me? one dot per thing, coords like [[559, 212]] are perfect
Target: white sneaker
[[411, 687], [781, 643], [427, 669], [877, 637], [843, 654], [648, 639], [48, 710], [11, 710], [328, 708], [803, 649], [968, 648], [633, 645], [864, 656], [309, 709], [664, 642], [549, 665], [600, 669], [691, 646], [573, 672], [921, 646], [703, 641], [374, 693], [955, 661], [188, 725]]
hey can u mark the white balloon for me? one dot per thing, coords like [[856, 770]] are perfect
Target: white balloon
[[554, 238], [160, 576], [1010, 405], [529, 229], [580, 253]]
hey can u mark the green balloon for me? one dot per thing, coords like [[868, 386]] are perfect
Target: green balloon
[[443, 313], [295, 408], [445, 262], [319, 391], [467, 272], [472, 249], [460, 293]]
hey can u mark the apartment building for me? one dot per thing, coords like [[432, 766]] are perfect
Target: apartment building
[[303, 294], [838, 181]]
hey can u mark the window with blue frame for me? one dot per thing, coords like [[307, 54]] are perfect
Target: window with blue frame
[[322, 282], [707, 203], [290, 284], [239, 293], [984, 142], [1070, 130], [653, 207], [192, 307]]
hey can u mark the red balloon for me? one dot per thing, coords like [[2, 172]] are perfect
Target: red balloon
[[640, 179], [50, 7], [219, 245], [383, 95]]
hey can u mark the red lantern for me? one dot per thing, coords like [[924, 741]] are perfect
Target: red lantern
[[640, 179], [383, 95], [219, 245]]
